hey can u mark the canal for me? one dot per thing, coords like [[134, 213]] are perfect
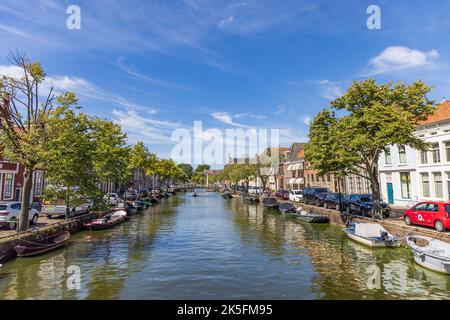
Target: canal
[[211, 248]]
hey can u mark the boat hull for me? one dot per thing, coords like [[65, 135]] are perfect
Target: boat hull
[[313, 218], [38, 248], [369, 242], [429, 260]]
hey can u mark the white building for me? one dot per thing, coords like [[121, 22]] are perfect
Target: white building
[[408, 176]]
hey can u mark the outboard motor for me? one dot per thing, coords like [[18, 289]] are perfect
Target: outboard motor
[[385, 238]]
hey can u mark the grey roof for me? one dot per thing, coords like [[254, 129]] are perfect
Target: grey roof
[[294, 150]]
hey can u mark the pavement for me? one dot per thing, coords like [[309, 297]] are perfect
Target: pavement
[[42, 222]]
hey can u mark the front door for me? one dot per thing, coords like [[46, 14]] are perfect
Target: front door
[[390, 193], [19, 194]]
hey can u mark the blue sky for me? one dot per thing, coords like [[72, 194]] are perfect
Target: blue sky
[[155, 66]]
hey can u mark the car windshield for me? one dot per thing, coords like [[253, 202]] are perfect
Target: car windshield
[[297, 192], [3, 207]]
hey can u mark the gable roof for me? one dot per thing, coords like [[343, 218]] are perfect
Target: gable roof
[[442, 113], [296, 152]]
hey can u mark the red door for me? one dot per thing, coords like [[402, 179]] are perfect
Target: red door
[[419, 213], [432, 213]]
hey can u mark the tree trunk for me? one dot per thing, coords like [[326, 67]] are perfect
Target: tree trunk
[[25, 207], [376, 193]]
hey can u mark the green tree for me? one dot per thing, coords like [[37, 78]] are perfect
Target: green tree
[[375, 117], [199, 176], [24, 117], [187, 169]]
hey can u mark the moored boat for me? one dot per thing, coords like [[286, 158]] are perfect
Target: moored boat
[[287, 207], [33, 248], [126, 206], [227, 195], [270, 203], [371, 234], [108, 221], [195, 194], [430, 253], [311, 217], [251, 200]]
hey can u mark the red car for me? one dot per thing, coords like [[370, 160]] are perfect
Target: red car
[[282, 194], [430, 214]]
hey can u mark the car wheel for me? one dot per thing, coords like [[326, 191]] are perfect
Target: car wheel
[[439, 226], [407, 220], [12, 225], [35, 219]]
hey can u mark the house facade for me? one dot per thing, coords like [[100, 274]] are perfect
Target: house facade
[[408, 175], [11, 181], [294, 167]]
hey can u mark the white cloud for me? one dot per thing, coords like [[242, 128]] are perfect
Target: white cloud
[[226, 118], [399, 58], [82, 87], [330, 89], [224, 22], [306, 120]]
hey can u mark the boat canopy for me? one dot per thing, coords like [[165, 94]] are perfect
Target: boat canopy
[[369, 230]]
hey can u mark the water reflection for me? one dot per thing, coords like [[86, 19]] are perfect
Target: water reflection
[[211, 248]]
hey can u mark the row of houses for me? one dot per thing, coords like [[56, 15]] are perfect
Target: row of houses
[[406, 175], [12, 181]]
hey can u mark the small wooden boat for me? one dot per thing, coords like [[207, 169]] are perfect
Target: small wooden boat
[[106, 222], [371, 234], [430, 253], [195, 194], [287, 207], [270, 203], [311, 217], [30, 248]]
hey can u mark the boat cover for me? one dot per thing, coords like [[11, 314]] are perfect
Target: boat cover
[[122, 213], [368, 230]]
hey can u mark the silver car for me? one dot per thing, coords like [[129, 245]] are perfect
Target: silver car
[[53, 210]]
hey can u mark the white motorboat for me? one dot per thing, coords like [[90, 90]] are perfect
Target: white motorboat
[[371, 234], [430, 253]]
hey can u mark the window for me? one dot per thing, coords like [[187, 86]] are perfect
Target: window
[[437, 184], [423, 157], [432, 207], [38, 183], [421, 207], [405, 180], [435, 153], [350, 184], [447, 151], [367, 182], [425, 184], [358, 184], [387, 156], [402, 154], [9, 177]]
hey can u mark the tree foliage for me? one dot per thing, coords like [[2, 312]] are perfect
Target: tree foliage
[[371, 117]]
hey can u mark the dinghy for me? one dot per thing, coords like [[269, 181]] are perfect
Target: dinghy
[[106, 222], [430, 253], [270, 203], [31, 248], [371, 234], [311, 217], [227, 195]]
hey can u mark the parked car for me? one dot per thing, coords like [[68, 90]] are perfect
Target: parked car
[[312, 195], [130, 195], [296, 195], [430, 214], [334, 201], [112, 198], [362, 204], [59, 208], [10, 213], [255, 190], [282, 194]]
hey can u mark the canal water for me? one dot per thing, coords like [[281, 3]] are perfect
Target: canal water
[[211, 248]]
